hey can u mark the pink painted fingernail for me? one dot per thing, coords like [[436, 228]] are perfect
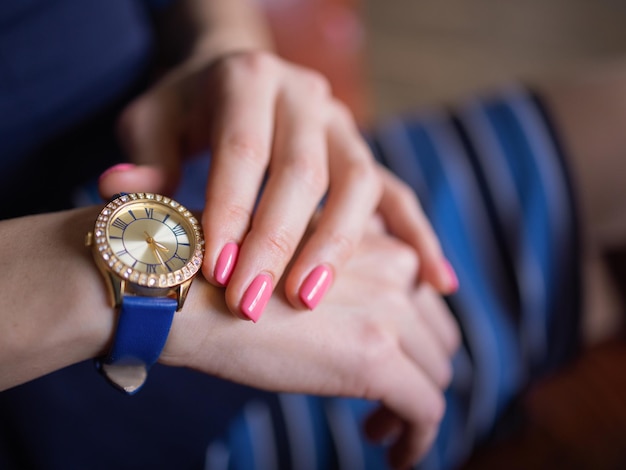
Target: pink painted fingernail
[[116, 168], [256, 297], [226, 263], [315, 286], [453, 280]]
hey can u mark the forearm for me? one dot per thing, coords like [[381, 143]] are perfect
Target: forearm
[[54, 310], [229, 25], [201, 30]]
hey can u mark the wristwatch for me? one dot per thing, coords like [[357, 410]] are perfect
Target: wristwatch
[[149, 249]]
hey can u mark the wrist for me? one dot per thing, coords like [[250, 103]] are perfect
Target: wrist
[[215, 44], [57, 313], [199, 327], [86, 320], [224, 27]]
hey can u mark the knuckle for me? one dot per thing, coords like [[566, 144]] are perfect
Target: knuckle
[[316, 84], [342, 111], [453, 337], [375, 351], [445, 375], [429, 300], [434, 411], [376, 183], [399, 307], [343, 244], [403, 194], [401, 260], [280, 244], [247, 149], [406, 259], [308, 170], [252, 64], [237, 212], [400, 267], [359, 171], [362, 171]]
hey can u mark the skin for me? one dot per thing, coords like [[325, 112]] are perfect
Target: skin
[[259, 114], [376, 335]]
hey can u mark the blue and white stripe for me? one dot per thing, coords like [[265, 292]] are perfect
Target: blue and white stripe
[[492, 179]]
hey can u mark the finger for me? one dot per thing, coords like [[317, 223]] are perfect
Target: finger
[[422, 345], [406, 220], [411, 396], [396, 263], [376, 225], [408, 449], [127, 177], [436, 314], [241, 138], [353, 195], [298, 179], [150, 134]]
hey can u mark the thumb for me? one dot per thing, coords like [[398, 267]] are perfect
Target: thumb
[[130, 178], [149, 131]]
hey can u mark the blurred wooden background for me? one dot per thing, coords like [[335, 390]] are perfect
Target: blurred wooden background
[[427, 51]]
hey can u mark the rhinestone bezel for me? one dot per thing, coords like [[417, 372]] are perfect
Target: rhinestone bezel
[[128, 273]]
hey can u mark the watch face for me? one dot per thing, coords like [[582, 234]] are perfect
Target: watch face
[[149, 239]]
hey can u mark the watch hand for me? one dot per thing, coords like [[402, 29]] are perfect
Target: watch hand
[[157, 254], [152, 242], [160, 246]]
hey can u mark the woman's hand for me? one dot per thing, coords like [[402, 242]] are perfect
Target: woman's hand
[[281, 145], [374, 336]]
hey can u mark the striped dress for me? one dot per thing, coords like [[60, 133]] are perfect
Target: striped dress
[[491, 176]]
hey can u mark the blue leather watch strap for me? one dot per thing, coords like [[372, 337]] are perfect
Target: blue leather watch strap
[[143, 326], [142, 329]]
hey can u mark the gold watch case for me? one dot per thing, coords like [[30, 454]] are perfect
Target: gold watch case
[[147, 244]]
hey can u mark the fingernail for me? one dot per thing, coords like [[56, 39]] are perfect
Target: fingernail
[[116, 168], [256, 297], [453, 280], [225, 263], [315, 286]]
